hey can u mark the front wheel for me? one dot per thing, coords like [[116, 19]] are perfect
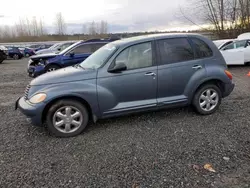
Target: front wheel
[[207, 99], [67, 118]]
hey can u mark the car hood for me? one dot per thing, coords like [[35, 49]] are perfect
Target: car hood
[[68, 74], [41, 56]]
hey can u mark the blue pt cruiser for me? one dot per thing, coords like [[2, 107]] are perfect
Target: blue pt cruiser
[[127, 76]]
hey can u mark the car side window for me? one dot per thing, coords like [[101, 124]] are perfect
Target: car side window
[[136, 56], [229, 47], [235, 45], [175, 50], [240, 44], [201, 48], [82, 49]]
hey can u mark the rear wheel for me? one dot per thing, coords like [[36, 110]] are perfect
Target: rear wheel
[[67, 118], [207, 99], [52, 68]]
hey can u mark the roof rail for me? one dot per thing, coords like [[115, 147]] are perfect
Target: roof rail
[[102, 39]]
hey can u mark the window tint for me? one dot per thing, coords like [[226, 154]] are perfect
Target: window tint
[[175, 50], [240, 44], [137, 56], [235, 45], [227, 43], [229, 47], [96, 46], [83, 49], [201, 48]]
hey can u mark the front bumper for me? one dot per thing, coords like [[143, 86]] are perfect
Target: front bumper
[[34, 71], [228, 88], [32, 112]]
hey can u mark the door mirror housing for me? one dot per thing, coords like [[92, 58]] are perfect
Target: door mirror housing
[[118, 68], [59, 49], [71, 54]]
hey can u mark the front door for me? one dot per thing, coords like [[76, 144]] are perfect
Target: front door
[[76, 55], [133, 89]]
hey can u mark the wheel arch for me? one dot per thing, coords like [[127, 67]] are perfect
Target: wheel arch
[[76, 98], [220, 84]]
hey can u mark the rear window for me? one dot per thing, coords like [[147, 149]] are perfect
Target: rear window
[[201, 48]]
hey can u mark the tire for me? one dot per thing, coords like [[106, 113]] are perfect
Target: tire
[[15, 56], [201, 99], [1, 60], [52, 68], [63, 121], [2, 57]]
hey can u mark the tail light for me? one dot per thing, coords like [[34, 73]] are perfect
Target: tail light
[[229, 74]]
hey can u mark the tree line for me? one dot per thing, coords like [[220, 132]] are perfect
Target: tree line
[[226, 18], [34, 29]]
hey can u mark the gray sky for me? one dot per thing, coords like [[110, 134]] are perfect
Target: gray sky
[[122, 15]]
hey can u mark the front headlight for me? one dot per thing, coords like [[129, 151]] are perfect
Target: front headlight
[[40, 97]]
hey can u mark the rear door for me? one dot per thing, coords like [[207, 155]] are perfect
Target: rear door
[[177, 65]]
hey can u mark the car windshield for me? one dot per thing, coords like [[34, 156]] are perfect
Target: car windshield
[[54, 46], [98, 57]]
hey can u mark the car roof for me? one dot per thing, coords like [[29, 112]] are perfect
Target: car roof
[[145, 38]]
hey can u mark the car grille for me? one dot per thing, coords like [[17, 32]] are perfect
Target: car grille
[[26, 93]]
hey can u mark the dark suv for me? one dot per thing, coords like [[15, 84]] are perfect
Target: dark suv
[[127, 76], [74, 54]]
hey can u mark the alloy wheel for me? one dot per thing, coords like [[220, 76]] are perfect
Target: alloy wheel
[[67, 119], [209, 99]]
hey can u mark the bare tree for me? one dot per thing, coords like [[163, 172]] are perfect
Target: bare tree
[[60, 24], [34, 27], [103, 27], [227, 17], [42, 30], [92, 28]]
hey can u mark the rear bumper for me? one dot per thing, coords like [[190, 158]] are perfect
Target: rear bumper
[[32, 112], [228, 88]]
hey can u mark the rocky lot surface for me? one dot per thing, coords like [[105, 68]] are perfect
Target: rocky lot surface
[[160, 149]]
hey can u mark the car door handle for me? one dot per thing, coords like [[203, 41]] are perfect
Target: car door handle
[[150, 74], [196, 67]]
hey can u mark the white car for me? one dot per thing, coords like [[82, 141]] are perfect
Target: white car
[[222, 43], [237, 53]]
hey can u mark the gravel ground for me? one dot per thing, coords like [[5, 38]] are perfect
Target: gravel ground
[[161, 149]]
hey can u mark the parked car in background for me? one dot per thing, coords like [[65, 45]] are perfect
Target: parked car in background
[[55, 48], [237, 52], [37, 47], [222, 43], [127, 76], [26, 51], [3, 53], [72, 55], [14, 52]]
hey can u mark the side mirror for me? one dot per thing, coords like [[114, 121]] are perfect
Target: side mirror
[[59, 49], [118, 68], [71, 54]]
